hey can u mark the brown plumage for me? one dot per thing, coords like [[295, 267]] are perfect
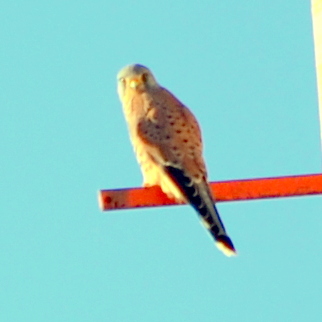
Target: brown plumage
[[167, 142]]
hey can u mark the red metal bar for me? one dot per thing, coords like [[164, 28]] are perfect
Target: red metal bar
[[224, 191]]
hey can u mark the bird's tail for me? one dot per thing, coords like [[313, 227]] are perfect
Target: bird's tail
[[211, 220], [213, 223], [199, 196]]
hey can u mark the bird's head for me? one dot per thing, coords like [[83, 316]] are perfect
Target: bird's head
[[135, 78]]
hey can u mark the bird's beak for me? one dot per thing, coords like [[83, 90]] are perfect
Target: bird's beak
[[135, 82]]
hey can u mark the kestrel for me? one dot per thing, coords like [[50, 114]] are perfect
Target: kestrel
[[167, 142]]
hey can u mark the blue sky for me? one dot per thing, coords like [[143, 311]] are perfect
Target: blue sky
[[246, 70]]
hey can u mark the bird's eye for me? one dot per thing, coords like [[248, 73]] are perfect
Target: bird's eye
[[122, 80], [144, 77]]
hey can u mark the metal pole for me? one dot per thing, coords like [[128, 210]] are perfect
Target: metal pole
[[248, 189]]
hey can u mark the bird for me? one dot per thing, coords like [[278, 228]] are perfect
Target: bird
[[167, 142]]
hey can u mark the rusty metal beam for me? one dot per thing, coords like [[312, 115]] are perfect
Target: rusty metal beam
[[234, 190]]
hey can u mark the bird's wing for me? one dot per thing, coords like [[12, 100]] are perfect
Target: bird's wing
[[172, 135]]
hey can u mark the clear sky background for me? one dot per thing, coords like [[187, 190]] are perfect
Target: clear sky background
[[246, 70]]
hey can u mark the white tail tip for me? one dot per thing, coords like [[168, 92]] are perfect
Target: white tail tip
[[226, 250]]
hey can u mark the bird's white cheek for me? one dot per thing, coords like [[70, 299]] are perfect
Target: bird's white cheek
[[120, 91]]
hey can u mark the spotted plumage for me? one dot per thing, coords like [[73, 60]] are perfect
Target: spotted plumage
[[167, 142]]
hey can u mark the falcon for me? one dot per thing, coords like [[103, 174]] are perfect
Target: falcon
[[167, 142]]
